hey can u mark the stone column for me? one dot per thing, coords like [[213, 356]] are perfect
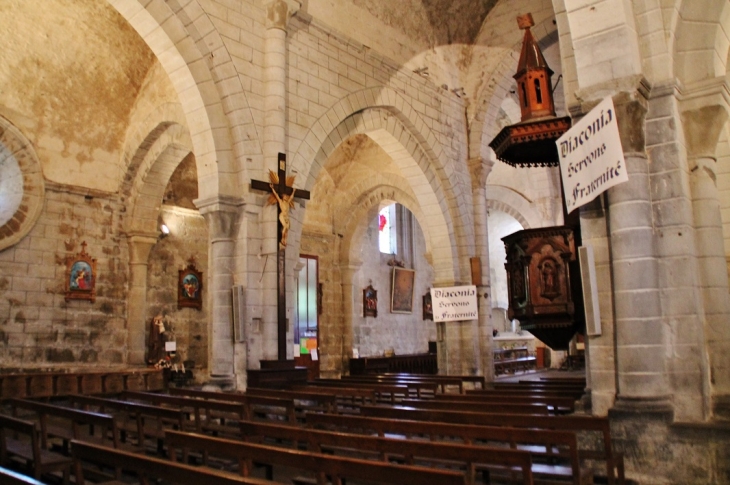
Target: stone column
[[222, 214], [702, 128], [640, 331], [278, 13], [349, 296], [480, 169], [140, 245]]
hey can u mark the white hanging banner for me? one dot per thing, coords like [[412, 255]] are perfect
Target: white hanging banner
[[591, 156], [454, 303]]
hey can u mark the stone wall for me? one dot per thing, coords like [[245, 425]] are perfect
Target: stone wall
[[404, 333], [38, 327], [188, 238]]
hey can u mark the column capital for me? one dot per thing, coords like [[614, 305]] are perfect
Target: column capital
[[480, 168], [704, 109], [140, 245], [631, 99], [349, 268], [278, 13], [222, 215], [632, 86]]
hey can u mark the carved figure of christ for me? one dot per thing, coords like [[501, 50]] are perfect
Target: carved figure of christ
[[281, 193]]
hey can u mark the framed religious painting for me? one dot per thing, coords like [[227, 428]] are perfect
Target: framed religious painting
[[190, 288], [370, 302], [402, 290], [81, 276], [427, 306]]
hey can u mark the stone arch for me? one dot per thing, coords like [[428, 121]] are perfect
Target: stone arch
[[22, 187], [697, 55], [151, 168], [169, 38], [514, 204], [375, 112], [363, 208]]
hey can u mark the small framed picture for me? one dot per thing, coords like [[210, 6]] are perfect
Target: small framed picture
[[402, 290], [190, 288], [370, 302], [427, 306], [81, 276]]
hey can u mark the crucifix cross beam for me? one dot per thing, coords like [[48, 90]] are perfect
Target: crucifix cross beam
[[281, 192]]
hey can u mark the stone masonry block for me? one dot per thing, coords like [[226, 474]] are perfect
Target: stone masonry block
[[638, 305], [664, 157], [635, 274]]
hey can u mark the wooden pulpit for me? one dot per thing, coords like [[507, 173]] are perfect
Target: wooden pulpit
[[543, 280]]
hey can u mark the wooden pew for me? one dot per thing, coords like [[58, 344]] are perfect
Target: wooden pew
[[383, 392], [471, 379], [69, 423], [525, 392], [207, 415], [9, 477], [431, 384], [558, 405], [256, 405], [143, 420], [151, 469], [420, 387], [304, 401], [57, 384], [326, 468], [348, 399], [539, 386], [549, 447], [476, 407], [28, 452], [614, 460], [471, 458]]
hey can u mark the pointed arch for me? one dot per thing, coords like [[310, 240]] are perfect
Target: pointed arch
[[376, 113]]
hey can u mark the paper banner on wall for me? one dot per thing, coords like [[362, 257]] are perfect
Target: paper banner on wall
[[591, 156], [455, 303]]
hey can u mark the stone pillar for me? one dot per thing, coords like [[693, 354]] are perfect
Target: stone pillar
[[140, 245], [702, 128], [222, 216], [349, 296], [278, 13], [642, 382], [480, 169]]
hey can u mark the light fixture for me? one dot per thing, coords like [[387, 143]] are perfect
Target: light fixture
[[164, 230]]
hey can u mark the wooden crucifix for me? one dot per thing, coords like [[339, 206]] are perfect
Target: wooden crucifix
[[282, 193]]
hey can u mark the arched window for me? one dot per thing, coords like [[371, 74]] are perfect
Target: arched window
[[388, 230]]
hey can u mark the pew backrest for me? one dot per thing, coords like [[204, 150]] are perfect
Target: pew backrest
[[105, 423], [151, 468], [472, 458], [613, 459], [324, 466], [28, 450]]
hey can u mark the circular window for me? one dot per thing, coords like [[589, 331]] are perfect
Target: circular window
[[21, 186]]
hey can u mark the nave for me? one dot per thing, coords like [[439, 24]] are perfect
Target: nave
[[370, 429]]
